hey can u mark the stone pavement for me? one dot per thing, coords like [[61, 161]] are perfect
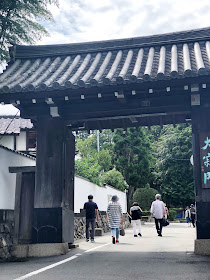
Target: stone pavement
[[177, 237], [148, 257]]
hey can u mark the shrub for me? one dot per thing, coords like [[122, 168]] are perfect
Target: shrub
[[146, 213], [144, 197], [172, 214], [115, 179]]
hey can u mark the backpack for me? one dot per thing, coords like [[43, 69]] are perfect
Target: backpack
[[139, 213]]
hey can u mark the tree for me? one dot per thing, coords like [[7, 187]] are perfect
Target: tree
[[105, 138], [105, 160], [174, 149], [87, 146], [132, 157], [92, 164], [88, 168], [19, 22], [115, 179], [144, 197]]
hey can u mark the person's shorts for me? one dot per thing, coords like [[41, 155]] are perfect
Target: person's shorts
[[188, 220]]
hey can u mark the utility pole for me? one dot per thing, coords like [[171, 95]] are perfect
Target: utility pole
[[98, 147]]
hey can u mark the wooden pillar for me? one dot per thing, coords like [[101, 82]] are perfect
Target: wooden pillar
[[201, 156], [54, 188]]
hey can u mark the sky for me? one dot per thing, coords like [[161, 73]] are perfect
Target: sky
[[93, 20]]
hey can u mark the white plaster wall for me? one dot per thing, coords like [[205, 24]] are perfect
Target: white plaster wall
[[101, 195], [7, 141], [21, 141], [8, 180], [83, 187]]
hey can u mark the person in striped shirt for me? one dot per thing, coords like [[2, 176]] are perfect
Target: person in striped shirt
[[114, 217]]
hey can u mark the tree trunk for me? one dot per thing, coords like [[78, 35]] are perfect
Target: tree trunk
[[131, 191]]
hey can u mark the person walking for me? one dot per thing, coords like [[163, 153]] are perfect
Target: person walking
[[192, 214], [187, 216], [136, 213], [158, 211], [92, 214], [114, 217], [167, 212]]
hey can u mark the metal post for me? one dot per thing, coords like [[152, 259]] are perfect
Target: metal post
[[98, 147]]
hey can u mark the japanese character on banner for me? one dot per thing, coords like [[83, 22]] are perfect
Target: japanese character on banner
[[207, 142], [206, 177], [207, 160]]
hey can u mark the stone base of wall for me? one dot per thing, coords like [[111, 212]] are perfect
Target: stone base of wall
[[6, 241], [7, 231], [6, 234], [80, 221]]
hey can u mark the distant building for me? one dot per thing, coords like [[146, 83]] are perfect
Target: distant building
[[18, 134]]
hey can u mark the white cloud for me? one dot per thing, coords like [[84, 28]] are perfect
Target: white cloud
[[2, 66], [92, 20]]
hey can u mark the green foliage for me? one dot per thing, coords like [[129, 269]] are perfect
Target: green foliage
[[172, 214], [105, 140], [86, 147], [174, 149], [19, 22], [146, 213], [92, 164], [88, 168], [158, 158], [105, 160], [115, 179], [145, 197], [132, 156]]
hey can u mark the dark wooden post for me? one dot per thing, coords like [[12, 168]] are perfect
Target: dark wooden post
[[24, 203], [54, 189], [201, 156]]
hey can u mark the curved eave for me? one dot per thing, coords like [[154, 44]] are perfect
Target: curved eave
[[106, 63]]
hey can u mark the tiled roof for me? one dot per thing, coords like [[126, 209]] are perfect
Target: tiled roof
[[160, 57], [15, 125], [17, 152]]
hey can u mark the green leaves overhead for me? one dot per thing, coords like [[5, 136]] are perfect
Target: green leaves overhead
[[20, 22]]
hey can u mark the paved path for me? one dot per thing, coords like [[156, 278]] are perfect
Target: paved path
[[148, 257]]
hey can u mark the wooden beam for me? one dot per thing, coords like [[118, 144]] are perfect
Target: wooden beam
[[133, 119], [121, 97], [17, 169]]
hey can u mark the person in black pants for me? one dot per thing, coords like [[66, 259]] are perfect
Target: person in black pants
[[192, 214], [158, 211], [91, 215]]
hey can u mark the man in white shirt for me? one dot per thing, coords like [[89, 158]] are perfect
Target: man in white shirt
[[158, 211]]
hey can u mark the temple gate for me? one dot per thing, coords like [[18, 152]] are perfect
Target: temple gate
[[145, 81]]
